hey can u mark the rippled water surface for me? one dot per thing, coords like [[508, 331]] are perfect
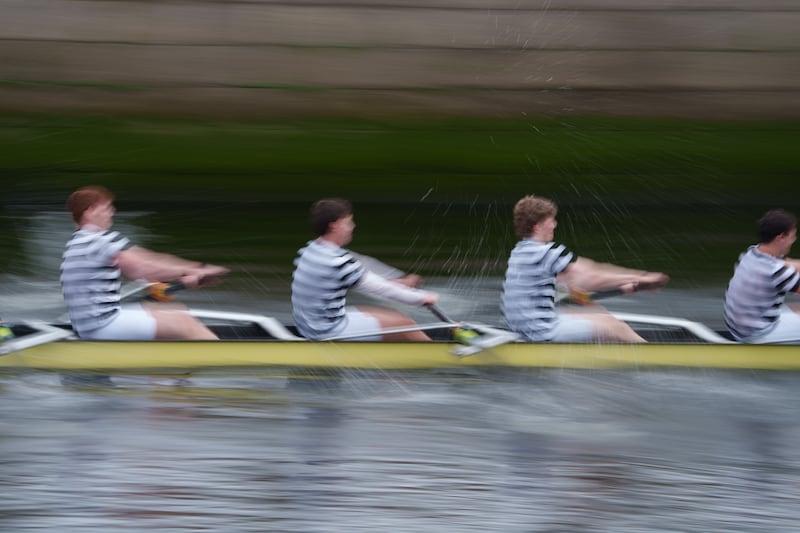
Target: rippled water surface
[[551, 451]]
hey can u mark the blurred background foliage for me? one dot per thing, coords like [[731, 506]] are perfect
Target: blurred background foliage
[[404, 159]]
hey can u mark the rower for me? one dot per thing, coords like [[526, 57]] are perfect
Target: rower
[[755, 308], [537, 264], [325, 271], [94, 260]]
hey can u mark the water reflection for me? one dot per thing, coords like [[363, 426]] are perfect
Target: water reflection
[[556, 451]]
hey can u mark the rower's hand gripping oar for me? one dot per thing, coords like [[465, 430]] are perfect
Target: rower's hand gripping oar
[[474, 338], [386, 271], [165, 291], [578, 296]]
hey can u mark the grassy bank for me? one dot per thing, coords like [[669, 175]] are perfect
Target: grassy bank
[[576, 160]]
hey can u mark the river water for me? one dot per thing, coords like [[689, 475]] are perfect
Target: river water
[[548, 451]]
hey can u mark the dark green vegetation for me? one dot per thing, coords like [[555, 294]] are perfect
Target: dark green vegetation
[[460, 160], [432, 195]]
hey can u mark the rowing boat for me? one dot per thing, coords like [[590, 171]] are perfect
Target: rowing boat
[[256, 341]]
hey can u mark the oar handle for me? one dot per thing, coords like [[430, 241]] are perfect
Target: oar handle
[[163, 292], [582, 297]]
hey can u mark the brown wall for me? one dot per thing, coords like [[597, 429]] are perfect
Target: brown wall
[[712, 58]]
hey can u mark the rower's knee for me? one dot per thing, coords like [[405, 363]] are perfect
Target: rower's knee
[[389, 318], [180, 325], [610, 328]]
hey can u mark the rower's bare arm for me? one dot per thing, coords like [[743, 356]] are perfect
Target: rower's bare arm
[[140, 263], [410, 280], [431, 298], [376, 285], [794, 263], [592, 275]]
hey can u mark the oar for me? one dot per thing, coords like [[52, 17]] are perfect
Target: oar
[[579, 296], [163, 292], [438, 313], [462, 333], [134, 288], [474, 337], [156, 291]]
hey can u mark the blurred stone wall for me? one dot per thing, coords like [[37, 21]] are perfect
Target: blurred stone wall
[[498, 58]]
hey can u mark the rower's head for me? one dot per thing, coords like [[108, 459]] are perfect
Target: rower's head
[[92, 205], [778, 226], [333, 218], [531, 211]]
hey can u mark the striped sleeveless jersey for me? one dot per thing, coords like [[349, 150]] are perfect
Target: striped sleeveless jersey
[[529, 288], [756, 293], [89, 281], [322, 276]]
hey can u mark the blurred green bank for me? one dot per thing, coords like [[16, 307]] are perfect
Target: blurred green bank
[[459, 160], [432, 195]]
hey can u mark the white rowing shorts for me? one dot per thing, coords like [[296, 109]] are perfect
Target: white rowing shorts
[[133, 323]]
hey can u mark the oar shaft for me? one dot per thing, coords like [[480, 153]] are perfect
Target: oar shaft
[[583, 297], [164, 292], [438, 313], [587, 297], [474, 338]]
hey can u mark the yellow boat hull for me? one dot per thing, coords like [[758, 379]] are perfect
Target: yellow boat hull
[[126, 356]]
